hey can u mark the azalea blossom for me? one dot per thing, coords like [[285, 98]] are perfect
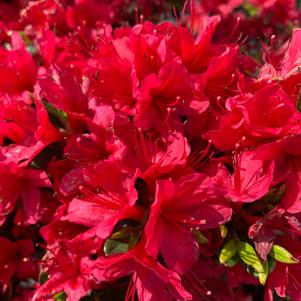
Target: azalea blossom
[[150, 150]]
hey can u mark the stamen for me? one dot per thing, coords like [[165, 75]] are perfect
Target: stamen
[[195, 159], [130, 290], [272, 43], [183, 219], [237, 166], [176, 15], [195, 284], [109, 200], [183, 9], [141, 19], [136, 15], [165, 121], [220, 105], [234, 28], [192, 16]]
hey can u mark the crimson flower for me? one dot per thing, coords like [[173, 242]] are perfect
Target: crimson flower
[[180, 208], [21, 182], [16, 260]]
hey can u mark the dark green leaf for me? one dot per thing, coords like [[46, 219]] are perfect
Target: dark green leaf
[[115, 247], [299, 102], [43, 277], [57, 117], [124, 233]]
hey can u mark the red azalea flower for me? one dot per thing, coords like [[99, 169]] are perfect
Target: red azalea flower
[[100, 143], [158, 159], [16, 260], [21, 182], [62, 87], [178, 209], [18, 66], [196, 53], [284, 279], [286, 69], [286, 155], [18, 119], [278, 10], [251, 179], [250, 122], [220, 79], [149, 278], [67, 272], [143, 153], [114, 65], [113, 200], [225, 7], [276, 223], [204, 281], [160, 94]]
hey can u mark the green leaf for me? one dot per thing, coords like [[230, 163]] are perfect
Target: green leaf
[[43, 277], [58, 117], [133, 241], [200, 237], [228, 251], [299, 102], [282, 255], [250, 10], [31, 49], [248, 255], [124, 238], [115, 247], [61, 296], [272, 264], [232, 261], [224, 231], [263, 276], [123, 233]]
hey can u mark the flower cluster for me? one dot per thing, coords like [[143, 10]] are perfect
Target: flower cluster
[[150, 160]]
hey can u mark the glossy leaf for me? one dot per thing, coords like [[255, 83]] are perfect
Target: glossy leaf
[[248, 255], [264, 275], [61, 296], [58, 117], [282, 255], [228, 251], [115, 247], [232, 261]]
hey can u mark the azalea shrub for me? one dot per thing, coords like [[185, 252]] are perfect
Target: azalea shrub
[[150, 150]]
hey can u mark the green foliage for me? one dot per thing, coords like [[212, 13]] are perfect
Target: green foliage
[[61, 296], [200, 237], [228, 251], [57, 117], [282, 255], [248, 255]]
